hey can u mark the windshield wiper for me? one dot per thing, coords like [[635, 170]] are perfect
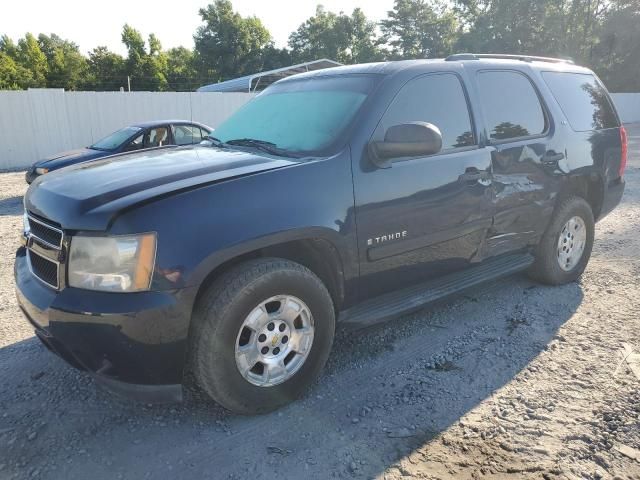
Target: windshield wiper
[[263, 145], [215, 141]]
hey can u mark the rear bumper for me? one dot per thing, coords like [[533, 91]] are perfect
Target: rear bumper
[[133, 343], [612, 197]]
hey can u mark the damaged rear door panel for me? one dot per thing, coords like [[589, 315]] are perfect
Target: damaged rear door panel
[[526, 158]]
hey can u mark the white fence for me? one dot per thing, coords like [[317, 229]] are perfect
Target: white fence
[[628, 106], [37, 123]]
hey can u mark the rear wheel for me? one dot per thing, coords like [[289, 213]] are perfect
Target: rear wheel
[[262, 333], [565, 248]]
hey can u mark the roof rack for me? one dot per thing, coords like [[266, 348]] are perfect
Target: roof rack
[[522, 58]]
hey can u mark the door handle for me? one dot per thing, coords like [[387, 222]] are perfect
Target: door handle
[[551, 158], [472, 175]]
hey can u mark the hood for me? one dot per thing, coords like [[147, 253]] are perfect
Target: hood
[[87, 196], [64, 159]]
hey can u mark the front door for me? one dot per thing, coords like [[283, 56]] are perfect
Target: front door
[[426, 216], [157, 137]]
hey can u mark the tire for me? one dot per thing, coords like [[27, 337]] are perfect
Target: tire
[[550, 254], [221, 330]]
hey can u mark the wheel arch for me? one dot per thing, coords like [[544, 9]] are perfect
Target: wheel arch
[[316, 249], [589, 186]]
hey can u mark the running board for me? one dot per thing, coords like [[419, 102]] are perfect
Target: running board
[[393, 304]]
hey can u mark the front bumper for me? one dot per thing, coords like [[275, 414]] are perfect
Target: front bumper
[[134, 343]]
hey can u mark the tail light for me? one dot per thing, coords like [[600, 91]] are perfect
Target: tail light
[[623, 150]]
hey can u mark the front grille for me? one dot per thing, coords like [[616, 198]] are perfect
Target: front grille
[[46, 232], [44, 269], [44, 249]]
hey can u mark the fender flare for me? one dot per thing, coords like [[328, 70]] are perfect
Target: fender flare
[[339, 243]]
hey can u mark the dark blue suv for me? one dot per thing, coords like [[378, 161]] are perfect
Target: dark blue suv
[[351, 194]]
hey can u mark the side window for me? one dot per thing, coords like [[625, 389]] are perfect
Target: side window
[[156, 137], [438, 99], [582, 99], [135, 144], [510, 104], [186, 134], [181, 135], [197, 134]]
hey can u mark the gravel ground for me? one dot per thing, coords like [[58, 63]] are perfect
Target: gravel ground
[[513, 379]]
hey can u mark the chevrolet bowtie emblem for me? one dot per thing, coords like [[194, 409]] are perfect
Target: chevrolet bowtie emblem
[[274, 341]]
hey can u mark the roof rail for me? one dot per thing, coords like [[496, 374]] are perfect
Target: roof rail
[[522, 58]]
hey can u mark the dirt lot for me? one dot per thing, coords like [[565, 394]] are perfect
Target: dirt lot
[[513, 379]]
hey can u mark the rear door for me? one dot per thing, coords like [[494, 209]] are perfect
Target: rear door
[[423, 216], [526, 159]]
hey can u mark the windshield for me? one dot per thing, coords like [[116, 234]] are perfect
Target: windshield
[[301, 116], [116, 139]]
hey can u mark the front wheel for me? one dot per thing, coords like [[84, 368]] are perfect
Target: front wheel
[[565, 248], [262, 333]]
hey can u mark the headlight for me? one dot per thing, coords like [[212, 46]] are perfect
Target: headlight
[[41, 170], [112, 264]]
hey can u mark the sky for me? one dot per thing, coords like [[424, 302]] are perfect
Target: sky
[[90, 24]]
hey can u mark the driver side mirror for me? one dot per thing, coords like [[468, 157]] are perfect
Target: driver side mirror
[[414, 139]]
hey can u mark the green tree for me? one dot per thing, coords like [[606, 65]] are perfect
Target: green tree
[[420, 29], [106, 70], [602, 34], [8, 47], [542, 27], [181, 70], [12, 75], [365, 44], [273, 57], [322, 36], [228, 45], [156, 64], [66, 66], [347, 39], [616, 55], [136, 54], [147, 69], [31, 57]]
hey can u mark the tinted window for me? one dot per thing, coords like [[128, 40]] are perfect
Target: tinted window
[[437, 99], [186, 134], [116, 139], [510, 104], [302, 116], [582, 99], [135, 144]]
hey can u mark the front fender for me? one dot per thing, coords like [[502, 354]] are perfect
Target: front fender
[[218, 258], [200, 229]]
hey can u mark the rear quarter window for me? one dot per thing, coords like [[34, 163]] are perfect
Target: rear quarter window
[[583, 100]]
